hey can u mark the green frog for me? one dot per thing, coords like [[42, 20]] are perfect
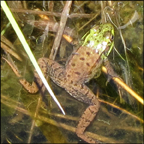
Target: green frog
[[83, 64]]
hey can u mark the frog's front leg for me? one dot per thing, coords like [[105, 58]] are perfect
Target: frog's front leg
[[84, 94], [111, 73]]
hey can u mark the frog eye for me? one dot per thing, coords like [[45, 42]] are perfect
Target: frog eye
[[112, 37]]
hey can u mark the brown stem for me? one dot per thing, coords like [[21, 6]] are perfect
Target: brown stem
[[63, 20]]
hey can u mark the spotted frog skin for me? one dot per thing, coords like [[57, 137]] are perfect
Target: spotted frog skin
[[80, 67]]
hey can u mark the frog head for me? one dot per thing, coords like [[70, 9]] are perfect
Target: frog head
[[100, 38]]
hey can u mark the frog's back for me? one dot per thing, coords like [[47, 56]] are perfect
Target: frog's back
[[82, 65]]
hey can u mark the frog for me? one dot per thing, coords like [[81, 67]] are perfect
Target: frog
[[82, 65]]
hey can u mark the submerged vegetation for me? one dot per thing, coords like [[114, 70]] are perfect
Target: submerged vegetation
[[120, 118]]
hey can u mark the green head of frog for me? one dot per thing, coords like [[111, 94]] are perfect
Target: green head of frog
[[100, 38]]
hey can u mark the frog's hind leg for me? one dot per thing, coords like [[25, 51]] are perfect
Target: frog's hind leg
[[84, 122], [84, 94], [32, 88]]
